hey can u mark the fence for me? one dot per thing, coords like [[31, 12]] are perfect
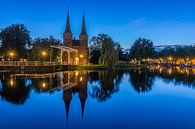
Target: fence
[[26, 63]]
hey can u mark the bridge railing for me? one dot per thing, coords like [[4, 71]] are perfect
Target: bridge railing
[[26, 63]]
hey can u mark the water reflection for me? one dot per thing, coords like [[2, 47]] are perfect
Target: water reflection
[[77, 83], [176, 75], [142, 80], [104, 84], [100, 87], [15, 89]]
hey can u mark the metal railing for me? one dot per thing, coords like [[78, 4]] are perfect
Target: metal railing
[[26, 63]]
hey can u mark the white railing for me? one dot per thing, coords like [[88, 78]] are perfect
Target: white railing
[[26, 63]]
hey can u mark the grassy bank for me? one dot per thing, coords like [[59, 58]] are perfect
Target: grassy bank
[[73, 67], [117, 66], [92, 67]]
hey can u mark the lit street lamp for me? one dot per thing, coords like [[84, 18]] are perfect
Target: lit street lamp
[[170, 58], [11, 55], [81, 56], [44, 54], [77, 60]]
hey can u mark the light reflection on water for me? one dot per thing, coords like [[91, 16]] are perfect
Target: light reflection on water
[[104, 99]]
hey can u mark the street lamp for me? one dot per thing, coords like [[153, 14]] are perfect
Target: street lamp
[[77, 60], [44, 54], [81, 56], [81, 79], [11, 55], [170, 58], [77, 73]]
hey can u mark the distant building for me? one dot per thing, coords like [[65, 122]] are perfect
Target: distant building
[[161, 47], [81, 44]]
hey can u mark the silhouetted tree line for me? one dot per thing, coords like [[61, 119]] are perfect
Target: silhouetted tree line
[[178, 52], [16, 39], [103, 49], [103, 84]]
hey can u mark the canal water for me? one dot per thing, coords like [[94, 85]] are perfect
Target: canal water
[[155, 98]]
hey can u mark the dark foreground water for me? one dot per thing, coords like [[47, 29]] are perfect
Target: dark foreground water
[[137, 99]]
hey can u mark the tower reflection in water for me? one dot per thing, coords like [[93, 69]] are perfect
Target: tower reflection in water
[[77, 83], [70, 82], [103, 85], [15, 89]]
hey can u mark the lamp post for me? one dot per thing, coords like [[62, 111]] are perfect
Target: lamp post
[[11, 55], [77, 60], [81, 56], [44, 54], [170, 59]]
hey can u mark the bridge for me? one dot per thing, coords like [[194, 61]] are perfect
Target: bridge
[[32, 66], [64, 80], [62, 50], [42, 65], [72, 80], [27, 63]]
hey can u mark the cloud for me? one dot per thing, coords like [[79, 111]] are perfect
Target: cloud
[[174, 20], [138, 22]]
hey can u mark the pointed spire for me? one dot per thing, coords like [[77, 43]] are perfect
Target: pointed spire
[[67, 104], [83, 107], [83, 31], [68, 29], [83, 97], [67, 96]]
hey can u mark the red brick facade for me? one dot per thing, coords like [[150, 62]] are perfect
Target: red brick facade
[[81, 44]]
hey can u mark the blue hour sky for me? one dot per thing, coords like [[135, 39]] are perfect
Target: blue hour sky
[[163, 21]]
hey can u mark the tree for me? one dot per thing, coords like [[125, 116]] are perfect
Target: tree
[[16, 39], [95, 56], [104, 49], [123, 55], [142, 48], [168, 51], [95, 51], [41, 46], [109, 53]]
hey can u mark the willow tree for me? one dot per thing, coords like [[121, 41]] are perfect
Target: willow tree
[[109, 51], [104, 49]]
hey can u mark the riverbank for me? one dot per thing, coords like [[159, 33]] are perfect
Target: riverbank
[[56, 68], [115, 67]]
